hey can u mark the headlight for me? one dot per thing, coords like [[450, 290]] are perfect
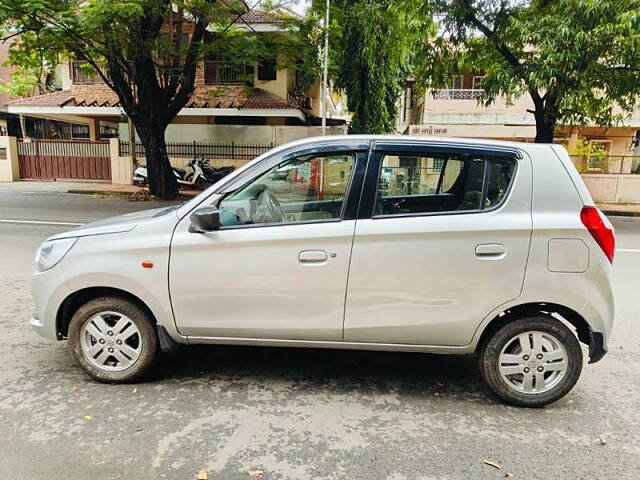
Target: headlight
[[51, 252]]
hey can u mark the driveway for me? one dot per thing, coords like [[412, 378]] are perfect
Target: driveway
[[296, 414]]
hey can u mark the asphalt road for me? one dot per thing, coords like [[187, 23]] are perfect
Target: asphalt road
[[295, 414]]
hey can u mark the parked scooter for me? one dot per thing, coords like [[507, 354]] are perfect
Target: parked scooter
[[200, 174]]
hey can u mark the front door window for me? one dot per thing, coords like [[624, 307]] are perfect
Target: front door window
[[309, 188]]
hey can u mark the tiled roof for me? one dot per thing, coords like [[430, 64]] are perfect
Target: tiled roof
[[203, 97], [55, 99], [260, 16], [262, 99]]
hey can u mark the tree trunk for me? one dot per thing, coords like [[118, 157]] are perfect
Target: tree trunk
[[544, 131], [162, 181], [545, 114]]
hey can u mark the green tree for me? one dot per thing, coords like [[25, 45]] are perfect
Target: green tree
[[578, 60], [126, 42], [371, 53]]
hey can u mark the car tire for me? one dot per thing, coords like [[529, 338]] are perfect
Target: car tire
[[532, 361], [113, 339]]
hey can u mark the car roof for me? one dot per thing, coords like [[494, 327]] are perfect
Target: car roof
[[336, 139]]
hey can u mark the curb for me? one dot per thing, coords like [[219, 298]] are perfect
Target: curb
[[84, 191], [122, 193], [621, 213]]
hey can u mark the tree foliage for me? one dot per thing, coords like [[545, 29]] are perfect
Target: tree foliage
[[578, 60], [371, 53], [146, 51]]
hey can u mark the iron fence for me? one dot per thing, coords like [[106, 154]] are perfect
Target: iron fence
[[457, 93], [204, 150], [64, 148]]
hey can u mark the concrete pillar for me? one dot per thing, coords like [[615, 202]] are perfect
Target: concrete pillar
[[9, 170], [573, 139], [121, 167], [94, 129]]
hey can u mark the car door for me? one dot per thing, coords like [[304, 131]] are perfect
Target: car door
[[441, 240], [277, 268]]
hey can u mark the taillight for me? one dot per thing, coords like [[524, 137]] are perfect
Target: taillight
[[600, 230]]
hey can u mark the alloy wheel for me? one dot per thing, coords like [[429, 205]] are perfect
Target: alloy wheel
[[111, 341], [533, 362]]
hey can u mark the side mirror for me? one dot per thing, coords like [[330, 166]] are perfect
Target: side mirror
[[206, 219]]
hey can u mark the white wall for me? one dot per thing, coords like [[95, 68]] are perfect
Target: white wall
[[245, 134]]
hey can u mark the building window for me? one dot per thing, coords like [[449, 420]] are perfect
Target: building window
[[267, 70], [79, 132], [457, 82], [477, 82], [82, 73], [217, 72]]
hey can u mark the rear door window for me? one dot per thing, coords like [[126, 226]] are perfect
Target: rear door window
[[422, 184]]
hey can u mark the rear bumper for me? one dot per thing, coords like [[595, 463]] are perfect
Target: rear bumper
[[597, 347]]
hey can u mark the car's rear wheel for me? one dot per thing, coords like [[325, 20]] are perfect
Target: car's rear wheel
[[531, 361], [113, 339]]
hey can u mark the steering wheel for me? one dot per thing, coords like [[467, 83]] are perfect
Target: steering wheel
[[269, 200]]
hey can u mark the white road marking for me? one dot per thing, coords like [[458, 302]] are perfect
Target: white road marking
[[40, 222], [628, 250]]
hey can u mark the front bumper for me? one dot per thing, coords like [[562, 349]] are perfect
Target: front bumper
[[39, 327], [597, 348], [49, 290]]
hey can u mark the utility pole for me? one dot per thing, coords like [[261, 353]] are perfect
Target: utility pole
[[325, 72], [132, 144]]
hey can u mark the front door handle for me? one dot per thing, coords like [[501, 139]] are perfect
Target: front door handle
[[490, 250], [312, 256]]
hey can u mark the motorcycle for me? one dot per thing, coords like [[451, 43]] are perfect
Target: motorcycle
[[201, 174]]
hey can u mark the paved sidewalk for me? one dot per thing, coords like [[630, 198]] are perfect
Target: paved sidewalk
[[622, 209]]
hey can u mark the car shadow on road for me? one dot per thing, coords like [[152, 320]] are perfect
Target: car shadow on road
[[339, 371]]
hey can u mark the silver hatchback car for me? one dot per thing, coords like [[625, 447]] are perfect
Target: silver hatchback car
[[355, 242]]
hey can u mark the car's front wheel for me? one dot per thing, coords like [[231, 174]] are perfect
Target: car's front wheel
[[113, 339], [531, 361]]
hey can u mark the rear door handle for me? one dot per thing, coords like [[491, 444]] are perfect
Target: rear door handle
[[312, 256], [490, 250]]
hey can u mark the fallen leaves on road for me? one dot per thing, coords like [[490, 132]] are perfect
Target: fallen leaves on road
[[387, 409], [141, 195], [202, 475], [88, 417], [135, 390], [256, 473], [604, 436], [74, 388], [498, 467]]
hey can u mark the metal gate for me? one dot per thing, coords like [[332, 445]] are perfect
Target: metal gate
[[64, 159]]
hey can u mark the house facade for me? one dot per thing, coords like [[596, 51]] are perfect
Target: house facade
[[231, 102], [455, 112]]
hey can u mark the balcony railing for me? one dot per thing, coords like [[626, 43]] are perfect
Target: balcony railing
[[80, 74], [224, 73], [458, 93]]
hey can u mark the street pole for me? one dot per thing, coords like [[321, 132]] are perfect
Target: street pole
[[325, 72], [132, 144]]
